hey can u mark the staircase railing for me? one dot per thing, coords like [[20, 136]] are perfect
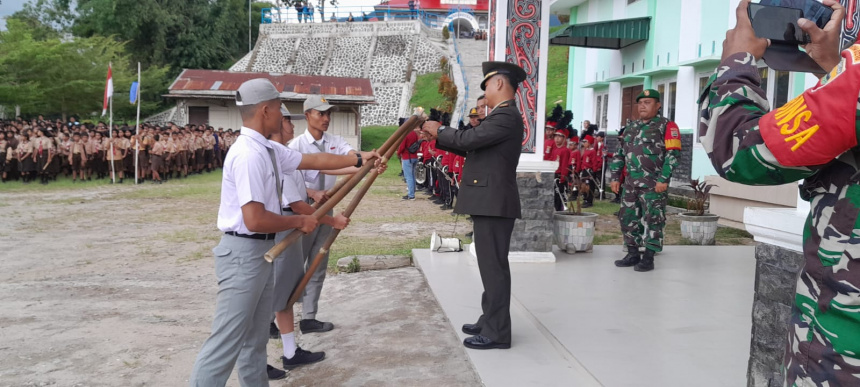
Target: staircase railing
[[464, 103]]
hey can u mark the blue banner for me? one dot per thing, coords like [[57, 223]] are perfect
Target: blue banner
[[132, 94]]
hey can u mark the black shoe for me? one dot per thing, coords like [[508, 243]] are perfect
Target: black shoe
[[481, 342], [631, 259], [647, 262], [274, 373], [408, 198], [314, 325], [445, 207], [587, 205], [471, 329], [439, 201], [274, 332], [301, 358], [470, 234]]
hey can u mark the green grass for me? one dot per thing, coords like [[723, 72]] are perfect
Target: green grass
[[426, 92], [603, 207], [732, 233], [346, 246], [556, 74]]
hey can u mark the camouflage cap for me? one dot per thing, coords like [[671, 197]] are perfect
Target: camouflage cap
[[649, 93]]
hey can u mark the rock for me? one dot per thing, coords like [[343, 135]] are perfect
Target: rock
[[375, 262]]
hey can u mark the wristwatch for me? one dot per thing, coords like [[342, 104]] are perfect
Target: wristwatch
[[439, 131], [359, 163]]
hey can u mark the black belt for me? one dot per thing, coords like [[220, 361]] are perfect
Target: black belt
[[285, 209], [262, 237]]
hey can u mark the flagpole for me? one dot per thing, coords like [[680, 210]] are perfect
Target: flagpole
[[137, 128], [110, 133]]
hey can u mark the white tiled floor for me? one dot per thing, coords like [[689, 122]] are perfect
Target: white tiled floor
[[583, 322]]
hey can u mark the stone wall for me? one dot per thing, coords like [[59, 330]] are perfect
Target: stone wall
[[534, 231], [775, 283], [388, 53]]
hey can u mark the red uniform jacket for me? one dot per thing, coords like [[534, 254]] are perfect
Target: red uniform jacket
[[403, 150], [562, 156]]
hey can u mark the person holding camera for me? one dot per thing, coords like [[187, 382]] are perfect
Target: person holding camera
[[811, 138]]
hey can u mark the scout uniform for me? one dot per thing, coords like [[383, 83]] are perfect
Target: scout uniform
[[78, 156], [489, 194], [811, 138], [650, 150], [243, 308]]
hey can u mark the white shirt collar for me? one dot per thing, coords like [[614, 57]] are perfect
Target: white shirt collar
[[311, 138], [256, 136]]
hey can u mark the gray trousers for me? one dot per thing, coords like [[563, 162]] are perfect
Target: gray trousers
[[289, 270], [311, 244], [243, 311]]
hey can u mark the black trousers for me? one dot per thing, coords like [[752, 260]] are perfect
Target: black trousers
[[492, 244], [444, 186]]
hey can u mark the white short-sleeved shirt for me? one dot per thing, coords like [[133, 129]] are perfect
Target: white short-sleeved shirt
[[249, 176], [294, 185], [307, 144]]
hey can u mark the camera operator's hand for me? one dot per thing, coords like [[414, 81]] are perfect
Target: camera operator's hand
[[824, 48], [742, 38]]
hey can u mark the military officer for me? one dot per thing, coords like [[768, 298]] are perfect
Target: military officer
[[651, 150], [811, 138], [489, 194]]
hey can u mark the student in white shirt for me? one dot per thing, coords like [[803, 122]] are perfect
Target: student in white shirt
[[289, 267], [249, 216], [316, 140]]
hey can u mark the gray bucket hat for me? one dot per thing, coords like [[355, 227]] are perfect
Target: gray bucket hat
[[255, 91], [286, 113], [318, 102]]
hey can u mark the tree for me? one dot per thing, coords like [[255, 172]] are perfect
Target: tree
[[67, 77], [200, 34]]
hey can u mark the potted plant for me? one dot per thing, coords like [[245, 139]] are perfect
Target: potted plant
[[573, 230], [697, 225]]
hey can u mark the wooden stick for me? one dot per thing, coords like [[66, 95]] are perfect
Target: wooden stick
[[335, 232], [341, 193]]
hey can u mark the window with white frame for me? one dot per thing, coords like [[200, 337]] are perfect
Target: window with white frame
[[776, 85], [601, 109], [668, 89]]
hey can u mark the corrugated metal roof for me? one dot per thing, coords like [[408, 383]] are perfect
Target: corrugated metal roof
[[219, 80], [475, 5]]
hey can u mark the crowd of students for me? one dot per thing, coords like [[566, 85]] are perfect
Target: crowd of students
[[45, 150]]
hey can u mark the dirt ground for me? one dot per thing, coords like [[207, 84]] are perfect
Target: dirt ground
[[114, 286]]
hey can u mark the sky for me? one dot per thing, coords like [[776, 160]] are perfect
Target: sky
[[8, 7]]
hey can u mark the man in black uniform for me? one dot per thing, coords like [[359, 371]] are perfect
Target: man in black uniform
[[489, 194]]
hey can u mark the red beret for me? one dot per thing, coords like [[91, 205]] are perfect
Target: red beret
[[588, 138]]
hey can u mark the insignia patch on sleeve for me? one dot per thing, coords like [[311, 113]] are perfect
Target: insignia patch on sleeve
[[673, 136], [818, 125]]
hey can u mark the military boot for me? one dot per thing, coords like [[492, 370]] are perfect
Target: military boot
[[631, 259], [647, 263]]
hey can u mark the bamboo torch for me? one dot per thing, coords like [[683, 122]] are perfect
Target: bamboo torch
[[387, 148], [335, 232]]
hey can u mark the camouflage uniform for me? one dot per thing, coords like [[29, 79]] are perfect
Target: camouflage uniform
[[751, 146], [650, 151]]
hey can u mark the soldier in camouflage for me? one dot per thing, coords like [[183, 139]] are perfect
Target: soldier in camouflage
[[813, 137], [650, 150]]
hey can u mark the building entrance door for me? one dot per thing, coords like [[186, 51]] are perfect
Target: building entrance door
[[198, 115], [628, 104]]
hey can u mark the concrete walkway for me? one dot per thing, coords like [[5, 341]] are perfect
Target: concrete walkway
[[583, 322]]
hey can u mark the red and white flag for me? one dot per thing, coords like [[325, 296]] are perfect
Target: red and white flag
[[108, 91]]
